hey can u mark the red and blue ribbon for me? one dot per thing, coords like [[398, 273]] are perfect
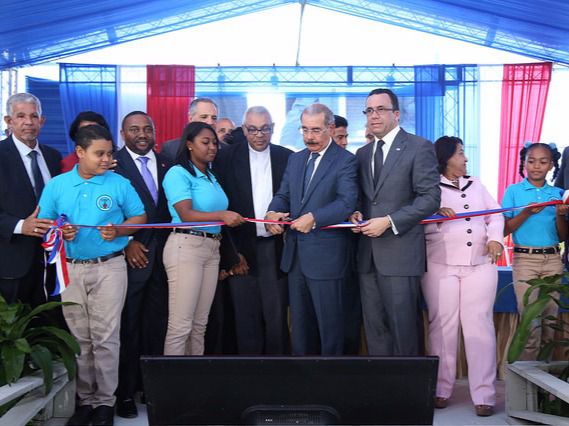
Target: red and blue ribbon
[[54, 246]]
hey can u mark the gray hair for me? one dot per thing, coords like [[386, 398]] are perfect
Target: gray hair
[[196, 101], [316, 109], [261, 110], [22, 98]]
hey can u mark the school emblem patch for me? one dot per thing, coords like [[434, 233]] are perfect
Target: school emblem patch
[[104, 202]]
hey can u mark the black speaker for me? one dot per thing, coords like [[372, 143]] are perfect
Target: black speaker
[[289, 390]]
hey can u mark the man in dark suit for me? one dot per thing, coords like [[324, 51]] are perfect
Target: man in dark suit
[[399, 186], [145, 313], [200, 109], [251, 174], [319, 188], [25, 167]]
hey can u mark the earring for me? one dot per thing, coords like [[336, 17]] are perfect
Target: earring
[[190, 149]]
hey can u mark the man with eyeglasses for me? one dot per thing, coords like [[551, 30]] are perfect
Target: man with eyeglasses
[[319, 188], [399, 186], [250, 173], [145, 314]]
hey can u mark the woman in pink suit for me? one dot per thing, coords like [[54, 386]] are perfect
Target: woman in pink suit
[[461, 279]]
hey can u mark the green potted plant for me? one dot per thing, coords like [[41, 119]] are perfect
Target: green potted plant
[[25, 347], [541, 385]]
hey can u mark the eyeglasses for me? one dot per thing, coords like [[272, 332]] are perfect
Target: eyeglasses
[[263, 130], [378, 110], [316, 131]]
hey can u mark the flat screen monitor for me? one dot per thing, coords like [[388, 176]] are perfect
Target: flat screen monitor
[[289, 390]]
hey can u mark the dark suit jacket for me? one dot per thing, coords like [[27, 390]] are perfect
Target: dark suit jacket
[[169, 149], [151, 238], [234, 171], [331, 198], [562, 179], [18, 201], [408, 190]]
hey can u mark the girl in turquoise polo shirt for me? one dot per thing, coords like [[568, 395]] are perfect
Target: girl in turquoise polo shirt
[[536, 231], [191, 255]]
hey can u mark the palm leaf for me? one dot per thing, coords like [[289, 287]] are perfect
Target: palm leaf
[[531, 312], [60, 334], [12, 362], [23, 322], [42, 358]]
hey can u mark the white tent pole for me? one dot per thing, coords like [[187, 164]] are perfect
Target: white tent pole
[[302, 5]]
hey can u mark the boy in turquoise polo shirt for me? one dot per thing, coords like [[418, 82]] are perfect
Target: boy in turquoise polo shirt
[[91, 195]]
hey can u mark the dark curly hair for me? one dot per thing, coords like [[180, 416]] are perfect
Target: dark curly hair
[[551, 148], [191, 131]]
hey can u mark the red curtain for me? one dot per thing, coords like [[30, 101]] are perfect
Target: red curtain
[[524, 96], [169, 90]]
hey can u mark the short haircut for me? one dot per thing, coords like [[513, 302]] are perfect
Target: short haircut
[[22, 98], [257, 110], [194, 104], [340, 121], [130, 114], [86, 116], [87, 134], [392, 96], [445, 148], [316, 109]]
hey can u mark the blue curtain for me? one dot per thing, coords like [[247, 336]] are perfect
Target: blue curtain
[[447, 103], [53, 132], [429, 99], [88, 88]]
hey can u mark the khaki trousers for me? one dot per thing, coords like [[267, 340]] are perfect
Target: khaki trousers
[[100, 291], [192, 265], [525, 267]]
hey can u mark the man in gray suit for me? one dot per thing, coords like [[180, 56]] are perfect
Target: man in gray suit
[[201, 109], [399, 186]]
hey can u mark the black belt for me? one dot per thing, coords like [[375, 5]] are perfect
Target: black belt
[[544, 250], [197, 233], [100, 259]]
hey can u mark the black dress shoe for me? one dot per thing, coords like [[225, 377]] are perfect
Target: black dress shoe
[[127, 408], [81, 416], [103, 415]]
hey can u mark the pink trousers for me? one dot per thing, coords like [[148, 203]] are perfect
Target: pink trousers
[[463, 296]]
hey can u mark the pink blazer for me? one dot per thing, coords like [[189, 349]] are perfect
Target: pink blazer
[[463, 241]]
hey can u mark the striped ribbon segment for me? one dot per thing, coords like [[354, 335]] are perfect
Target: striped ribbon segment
[[55, 248]]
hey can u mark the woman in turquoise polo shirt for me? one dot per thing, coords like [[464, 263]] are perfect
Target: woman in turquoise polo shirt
[[191, 255]]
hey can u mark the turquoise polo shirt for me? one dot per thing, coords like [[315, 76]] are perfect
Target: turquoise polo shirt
[[539, 230], [103, 199], [204, 192]]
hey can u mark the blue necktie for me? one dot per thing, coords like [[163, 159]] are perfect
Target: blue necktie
[[309, 171], [148, 179], [36, 173]]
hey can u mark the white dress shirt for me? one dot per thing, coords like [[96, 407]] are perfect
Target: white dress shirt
[[261, 185], [152, 163], [24, 150], [388, 141], [319, 158]]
